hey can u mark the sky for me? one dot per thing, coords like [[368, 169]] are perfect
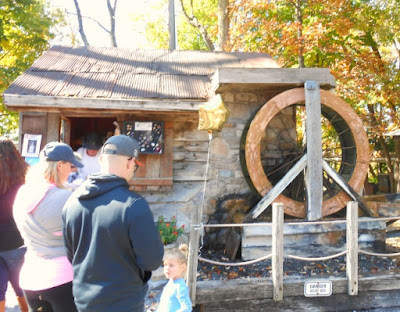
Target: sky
[[129, 34]]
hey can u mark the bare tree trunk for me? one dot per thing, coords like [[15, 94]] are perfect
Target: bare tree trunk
[[396, 187], [111, 11], [192, 20], [385, 150], [171, 25], [81, 31], [223, 24], [299, 17]]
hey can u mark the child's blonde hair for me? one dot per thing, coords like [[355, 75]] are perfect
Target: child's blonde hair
[[180, 254]]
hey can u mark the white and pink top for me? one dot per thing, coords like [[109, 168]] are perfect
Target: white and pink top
[[37, 212]]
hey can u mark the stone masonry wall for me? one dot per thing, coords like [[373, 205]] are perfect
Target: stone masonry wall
[[225, 175]]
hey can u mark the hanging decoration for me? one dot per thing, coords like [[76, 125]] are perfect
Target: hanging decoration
[[213, 114]]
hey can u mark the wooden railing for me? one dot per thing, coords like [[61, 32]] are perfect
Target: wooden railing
[[351, 250]]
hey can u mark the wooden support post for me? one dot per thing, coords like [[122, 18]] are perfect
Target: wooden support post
[[347, 188], [277, 189], [53, 127], [313, 176], [352, 248], [66, 130], [193, 253], [277, 250]]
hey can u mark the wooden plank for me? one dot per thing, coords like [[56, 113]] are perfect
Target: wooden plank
[[313, 177], [166, 158], [151, 181], [153, 166], [188, 179], [352, 248], [35, 123], [347, 188], [270, 78], [66, 130], [262, 288], [53, 127], [194, 237], [25, 102], [277, 189], [277, 250], [140, 174], [375, 301]]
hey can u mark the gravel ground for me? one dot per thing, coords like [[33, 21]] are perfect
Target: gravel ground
[[332, 267], [11, 300], [151, 300]]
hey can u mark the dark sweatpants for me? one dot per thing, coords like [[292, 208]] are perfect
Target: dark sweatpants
[[56, 299]]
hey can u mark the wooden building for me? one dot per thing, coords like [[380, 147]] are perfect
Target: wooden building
[[69, 92]]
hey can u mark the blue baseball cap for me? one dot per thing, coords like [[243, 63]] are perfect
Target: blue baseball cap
[[56, 151], [122, 145]]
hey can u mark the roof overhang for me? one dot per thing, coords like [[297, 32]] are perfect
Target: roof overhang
[[47, 103], [274, 79]]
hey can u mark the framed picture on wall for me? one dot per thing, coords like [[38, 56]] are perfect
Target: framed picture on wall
[[149, 134], [31, 145]]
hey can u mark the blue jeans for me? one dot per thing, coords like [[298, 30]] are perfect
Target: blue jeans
[[10, 265]]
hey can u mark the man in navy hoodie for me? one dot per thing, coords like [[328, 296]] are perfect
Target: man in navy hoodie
[[110, 235]]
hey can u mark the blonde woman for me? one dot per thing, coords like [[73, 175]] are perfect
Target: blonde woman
[[46, 275]]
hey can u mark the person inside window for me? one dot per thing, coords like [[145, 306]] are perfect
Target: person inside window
[[89, 153]]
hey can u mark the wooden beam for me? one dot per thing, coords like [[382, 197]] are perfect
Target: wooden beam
[[262, 288], [277, 250], [347, 188], [24, 102], [194, 238], [277, 189], [66, 130], [151, 181], [313, 177], [352, 248], [368, 301], [225, 79], [53, 127]]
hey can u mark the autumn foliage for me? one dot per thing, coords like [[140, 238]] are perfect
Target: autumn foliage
[[356, 40]]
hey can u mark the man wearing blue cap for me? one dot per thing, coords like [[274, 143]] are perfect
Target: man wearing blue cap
[[110, 234]]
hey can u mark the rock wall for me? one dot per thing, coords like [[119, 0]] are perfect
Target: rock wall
[[225, 174]]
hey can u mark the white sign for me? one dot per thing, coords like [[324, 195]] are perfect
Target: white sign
[[317, 288], [143, 126], [31, 145]]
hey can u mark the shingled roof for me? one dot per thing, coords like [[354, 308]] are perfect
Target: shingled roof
[[116, 74]]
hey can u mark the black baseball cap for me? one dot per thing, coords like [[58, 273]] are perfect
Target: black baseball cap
[[57, 151], [92, 141]]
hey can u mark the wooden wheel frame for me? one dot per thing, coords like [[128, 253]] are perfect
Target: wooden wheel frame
[[256, 133]]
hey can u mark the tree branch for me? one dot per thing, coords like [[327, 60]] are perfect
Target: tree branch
[[192, 20], [111, 11], [92, 19], [81, 30]]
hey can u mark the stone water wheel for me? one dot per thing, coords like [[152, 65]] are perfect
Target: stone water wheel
[[275, 140]]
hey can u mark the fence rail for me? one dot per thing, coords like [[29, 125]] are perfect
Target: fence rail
[[351, 249]]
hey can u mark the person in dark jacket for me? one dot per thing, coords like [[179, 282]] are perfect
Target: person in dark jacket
[[110, 234]]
